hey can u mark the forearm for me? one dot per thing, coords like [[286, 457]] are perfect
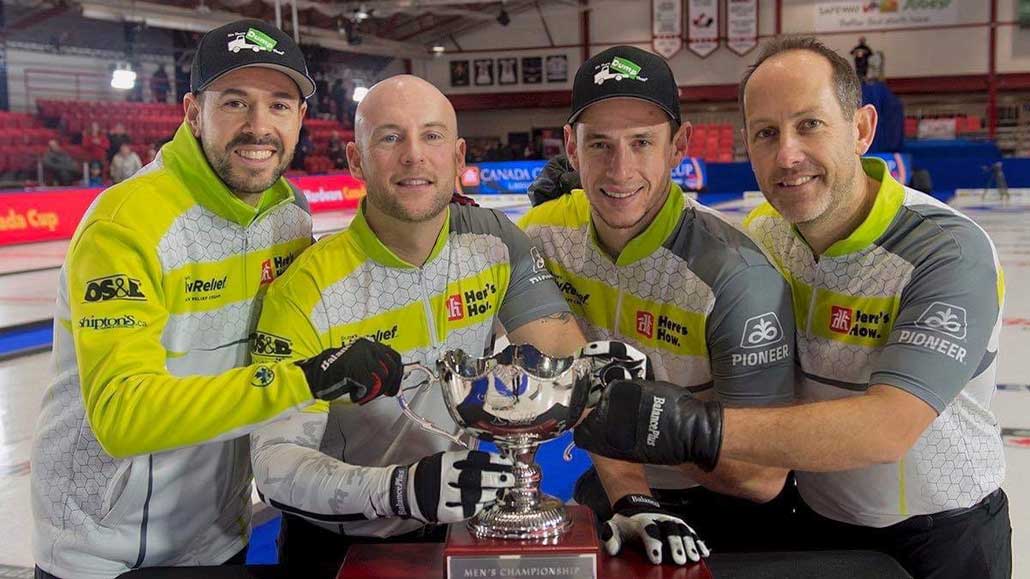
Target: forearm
[[740, 479], [134, 414], [292, 475], [555, 335], [842, 434], [620, 478]]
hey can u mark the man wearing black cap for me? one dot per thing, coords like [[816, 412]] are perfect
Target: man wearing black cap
[[141, 455], [640, 262]]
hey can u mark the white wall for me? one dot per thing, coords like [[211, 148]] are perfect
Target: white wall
[[62, 71]]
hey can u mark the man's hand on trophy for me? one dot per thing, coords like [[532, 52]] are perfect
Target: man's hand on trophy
[[449, 487], [662, 534], [615, 361], [364, 370], [653, 423]]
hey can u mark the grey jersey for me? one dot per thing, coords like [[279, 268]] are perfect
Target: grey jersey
[[331, 462], [691, 291], [911, 299]]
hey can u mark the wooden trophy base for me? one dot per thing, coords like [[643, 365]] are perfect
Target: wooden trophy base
[[575, 554]]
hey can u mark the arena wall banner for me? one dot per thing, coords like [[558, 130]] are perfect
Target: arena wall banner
[[31, 216], [330, 192], [845, 15], [501, 178]]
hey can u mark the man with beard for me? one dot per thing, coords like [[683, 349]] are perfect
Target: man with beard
[[141, 456], [638, 261], [898, 299], [424, 275]]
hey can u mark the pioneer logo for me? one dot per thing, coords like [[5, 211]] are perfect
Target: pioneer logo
[[656, 415]]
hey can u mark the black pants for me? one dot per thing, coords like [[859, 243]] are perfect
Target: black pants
[[726, 524], [237, 559], [309, 551], [973, 542]]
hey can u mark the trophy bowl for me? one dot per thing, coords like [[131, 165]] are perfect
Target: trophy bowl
[[517, 399]]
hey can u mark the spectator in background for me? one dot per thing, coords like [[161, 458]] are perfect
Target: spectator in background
[[321, 93], [861, 52], [94, 143], [124, 164], [115, 139], [151, 154], [337, 151], [339, 96], [59, 164], [159, 85], [304, 147], [96, 174]]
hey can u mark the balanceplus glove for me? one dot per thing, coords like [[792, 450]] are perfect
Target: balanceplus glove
[[556, 179], [449, 487], [653, 423], [662, 534], [364, 370]]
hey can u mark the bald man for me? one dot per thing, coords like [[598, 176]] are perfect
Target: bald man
[[423, 276]]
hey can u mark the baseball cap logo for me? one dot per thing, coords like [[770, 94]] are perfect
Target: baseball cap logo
[[618, 69], [253, 39]]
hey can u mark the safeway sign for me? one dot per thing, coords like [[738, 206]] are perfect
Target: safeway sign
[[845, 15]]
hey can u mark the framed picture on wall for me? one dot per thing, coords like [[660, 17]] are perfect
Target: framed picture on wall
[[484, 71], [507, 71], [532, 70], [557, 68], [459, 73]]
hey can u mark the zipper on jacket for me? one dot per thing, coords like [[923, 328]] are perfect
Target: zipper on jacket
[[146, 514]]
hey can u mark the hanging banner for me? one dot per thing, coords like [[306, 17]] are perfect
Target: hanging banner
[[845, 15], [742, 25], [667, 26], [703, 27]]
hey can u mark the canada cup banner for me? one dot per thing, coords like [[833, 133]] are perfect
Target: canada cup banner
[[741, 25]]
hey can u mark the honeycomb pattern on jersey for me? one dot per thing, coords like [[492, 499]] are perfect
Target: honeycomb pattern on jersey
[[198, 235]]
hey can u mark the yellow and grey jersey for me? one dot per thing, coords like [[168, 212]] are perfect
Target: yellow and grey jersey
[[140, 456], [331, 463], [912, 299], [691, 291]]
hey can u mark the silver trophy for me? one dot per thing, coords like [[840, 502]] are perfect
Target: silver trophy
[[517, 399]]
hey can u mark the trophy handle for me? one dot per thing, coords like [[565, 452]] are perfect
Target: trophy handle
[[422, 422]]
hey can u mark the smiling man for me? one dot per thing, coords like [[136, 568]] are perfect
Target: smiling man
[[424, 275], [141, 456], [640, 262], [898, 299]]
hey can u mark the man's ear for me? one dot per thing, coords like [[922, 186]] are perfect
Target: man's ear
[[865, 126], [570, 146], [191, 106], [681, 143], [354, 160]]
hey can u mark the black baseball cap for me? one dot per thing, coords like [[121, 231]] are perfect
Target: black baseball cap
[[625, 72], [246, 43]]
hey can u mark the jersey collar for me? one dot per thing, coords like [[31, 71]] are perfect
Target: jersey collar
[[889, 199], [374, 248], [184, 156], [650, 239]]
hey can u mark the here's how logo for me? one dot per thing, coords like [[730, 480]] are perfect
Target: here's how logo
[[470, 303], [859, 323], [113, 287]]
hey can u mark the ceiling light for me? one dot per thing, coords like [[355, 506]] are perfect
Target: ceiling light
[[438, 49], [123, 77], [359, 93]]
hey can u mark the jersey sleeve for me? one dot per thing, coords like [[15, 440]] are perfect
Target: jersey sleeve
[[284, 330], [750, 336], [947, 325], [293, 475], [532, 292], [134, 405]]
